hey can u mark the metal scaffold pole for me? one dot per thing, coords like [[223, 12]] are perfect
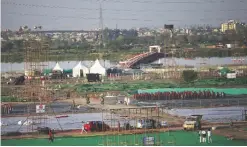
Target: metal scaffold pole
[[35, 89]]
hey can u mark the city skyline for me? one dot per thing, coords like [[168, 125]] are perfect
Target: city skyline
[[84, 15]]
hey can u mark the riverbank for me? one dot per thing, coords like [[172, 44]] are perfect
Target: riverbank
[[104, 54]]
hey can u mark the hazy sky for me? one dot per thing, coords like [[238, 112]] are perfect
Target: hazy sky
[[84, 14]]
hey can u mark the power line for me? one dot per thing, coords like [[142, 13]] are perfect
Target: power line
[[101, 26], [116, 10], [169, 2], [96, 18], [70, 17]]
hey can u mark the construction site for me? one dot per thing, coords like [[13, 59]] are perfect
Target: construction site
[[141, 108]]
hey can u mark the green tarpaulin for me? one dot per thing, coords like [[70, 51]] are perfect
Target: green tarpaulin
[[67, 71], [231, 91], [224, 71], [47, 71]]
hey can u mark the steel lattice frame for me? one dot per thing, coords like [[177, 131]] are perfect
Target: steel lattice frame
[[131, 115], [35, 88]]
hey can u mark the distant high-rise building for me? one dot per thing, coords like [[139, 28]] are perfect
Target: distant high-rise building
[[231, 25]]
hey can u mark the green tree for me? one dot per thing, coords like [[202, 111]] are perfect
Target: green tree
[[181, 39], [189, 75], [6, 46], [160, 39], [114, 45], [192, 39], [18, 44], [120, 38]]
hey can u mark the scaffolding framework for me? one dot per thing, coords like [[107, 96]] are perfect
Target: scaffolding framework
[[119, 133], [35, 85]]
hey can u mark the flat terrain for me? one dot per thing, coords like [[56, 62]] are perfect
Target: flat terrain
[[65, 105], [235, 132], [198, 103], [179, 138]]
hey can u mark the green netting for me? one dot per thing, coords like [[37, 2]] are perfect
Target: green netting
[[67, 71], [232, 91], [9, 99], [133, 87], [216, 82], [47, 71], [130, 87], [179, 138], [224, 71]]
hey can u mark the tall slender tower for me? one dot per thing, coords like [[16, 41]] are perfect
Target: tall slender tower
[[101, 26]]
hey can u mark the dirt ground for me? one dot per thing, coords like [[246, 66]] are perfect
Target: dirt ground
[[236, 132], [78, 101], [96, 104]]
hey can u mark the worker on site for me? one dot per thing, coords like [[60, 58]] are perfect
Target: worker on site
[[204, 136], [51, 136], [118, 126], [200, 135], [209, 136], [82, 129]]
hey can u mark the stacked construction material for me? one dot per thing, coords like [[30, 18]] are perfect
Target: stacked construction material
[[185, 95]]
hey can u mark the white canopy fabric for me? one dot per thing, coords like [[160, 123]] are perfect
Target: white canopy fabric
[[78, 68], [98, 68], [57, 67]]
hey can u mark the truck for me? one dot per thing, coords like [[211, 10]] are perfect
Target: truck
[[193, 122]]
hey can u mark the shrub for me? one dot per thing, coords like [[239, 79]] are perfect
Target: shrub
[[189, 75]]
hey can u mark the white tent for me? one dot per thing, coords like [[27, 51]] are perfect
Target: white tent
[[80, 70], [57, 67], [98, 68]]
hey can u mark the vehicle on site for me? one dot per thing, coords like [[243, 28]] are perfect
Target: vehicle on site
[[148, 124], [192, 122], [92, 126]]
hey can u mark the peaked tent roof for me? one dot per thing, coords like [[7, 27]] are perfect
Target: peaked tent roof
[[77, 70], [98, 68], [80, 66], [57, 67], [97, 64]]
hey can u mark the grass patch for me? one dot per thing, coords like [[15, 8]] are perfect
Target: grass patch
[[12, 99], [133, 86], [9, 99], [176, 138]]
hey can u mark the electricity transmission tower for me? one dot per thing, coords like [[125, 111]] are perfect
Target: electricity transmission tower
[[101, 27]]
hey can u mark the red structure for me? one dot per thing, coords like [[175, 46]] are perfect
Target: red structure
[[185, 95], [143, 58]]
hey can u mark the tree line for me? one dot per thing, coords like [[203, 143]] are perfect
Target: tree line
[[117, 40]]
